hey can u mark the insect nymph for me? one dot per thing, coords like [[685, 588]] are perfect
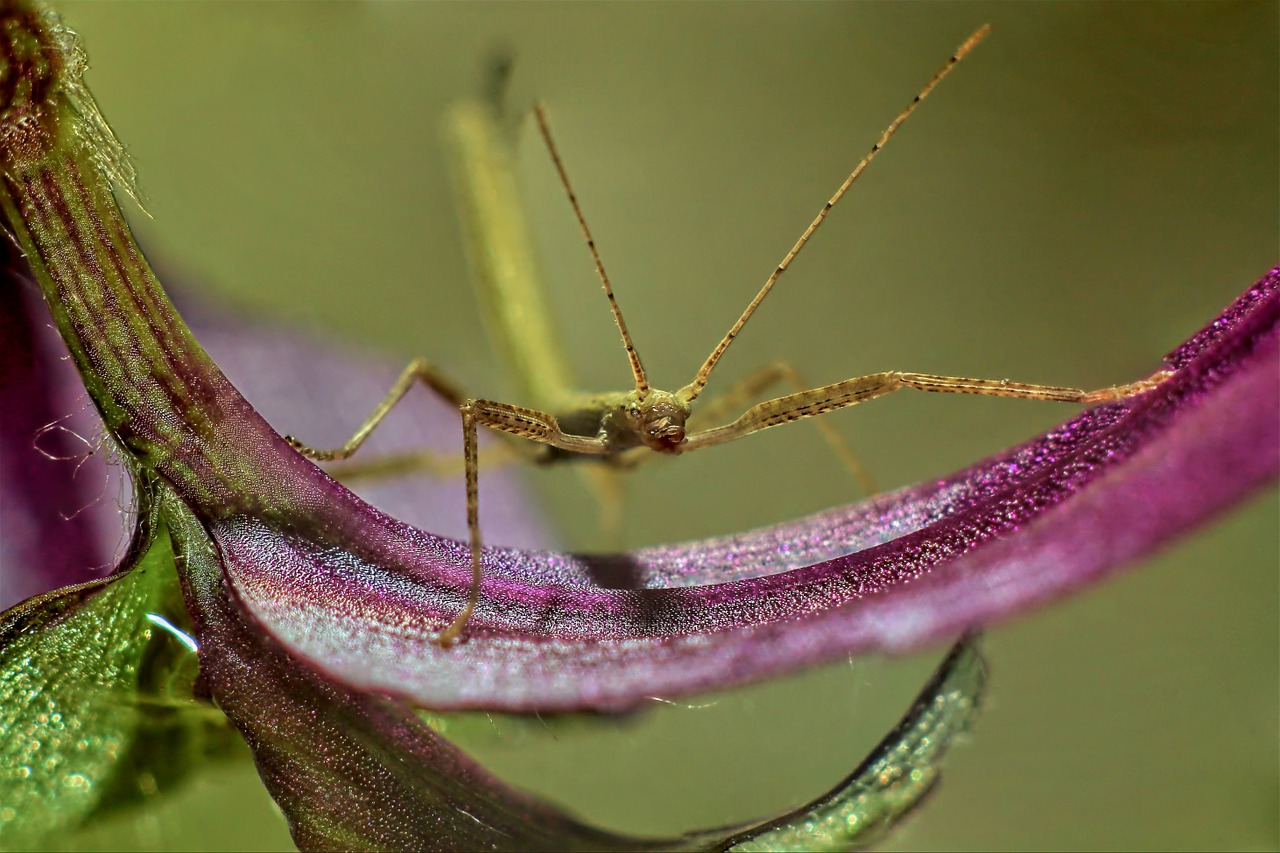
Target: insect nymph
[[622, 428]]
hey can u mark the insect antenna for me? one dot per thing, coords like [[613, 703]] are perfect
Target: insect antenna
[[694, 388], [637, 369]]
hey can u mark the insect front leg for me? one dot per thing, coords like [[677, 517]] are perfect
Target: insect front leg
[[510, 420], [756, 383], [840, 395]]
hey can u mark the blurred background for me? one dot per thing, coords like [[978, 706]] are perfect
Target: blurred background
[[1093, 184]]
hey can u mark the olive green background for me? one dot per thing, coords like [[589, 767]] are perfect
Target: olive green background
[[1094, 183]]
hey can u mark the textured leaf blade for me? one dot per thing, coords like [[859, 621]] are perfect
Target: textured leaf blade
[[556, 631], [354, 770], [92, 716]]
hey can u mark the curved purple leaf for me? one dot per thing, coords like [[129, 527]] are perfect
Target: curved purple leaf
[[359, 594], [356, 770], [350, 769]]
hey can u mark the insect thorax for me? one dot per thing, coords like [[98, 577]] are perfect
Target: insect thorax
[[623, 421]]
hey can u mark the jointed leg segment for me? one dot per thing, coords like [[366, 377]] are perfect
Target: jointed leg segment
[[418, 370], [503, 418], [754, 384], [513, 420], [433, 463], [850, 392]]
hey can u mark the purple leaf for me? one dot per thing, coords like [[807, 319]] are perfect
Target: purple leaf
[[360, 595], [351, 769], [59, 506], [356, 770]]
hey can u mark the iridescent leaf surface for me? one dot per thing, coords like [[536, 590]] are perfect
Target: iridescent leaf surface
[[354, 770], [555, 631]]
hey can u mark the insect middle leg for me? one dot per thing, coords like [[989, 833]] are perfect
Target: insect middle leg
[[434, 463], [510, 420], [828, 398], [418, 370], [443, 464]]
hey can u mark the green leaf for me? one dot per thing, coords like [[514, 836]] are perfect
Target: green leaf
[[95, 698], [897, 775]]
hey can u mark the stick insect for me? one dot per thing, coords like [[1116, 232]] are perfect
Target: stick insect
[[622, 428]]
